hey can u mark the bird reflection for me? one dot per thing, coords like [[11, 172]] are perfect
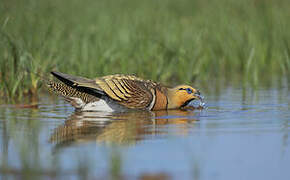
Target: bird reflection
[[120, 128]]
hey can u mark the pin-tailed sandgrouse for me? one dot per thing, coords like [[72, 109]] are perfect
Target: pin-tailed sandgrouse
[[121, 93]]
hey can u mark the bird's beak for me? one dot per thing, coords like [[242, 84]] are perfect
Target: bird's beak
[[197, 102], [198, 96]]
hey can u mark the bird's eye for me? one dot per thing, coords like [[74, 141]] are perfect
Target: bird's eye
[[188, 90]]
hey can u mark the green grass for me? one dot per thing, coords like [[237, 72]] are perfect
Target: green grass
[[185, 41]]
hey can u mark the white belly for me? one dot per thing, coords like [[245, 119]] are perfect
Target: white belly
[[107, 105], [100, 105]]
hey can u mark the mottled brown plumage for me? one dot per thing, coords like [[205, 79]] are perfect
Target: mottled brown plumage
[[70, 93]]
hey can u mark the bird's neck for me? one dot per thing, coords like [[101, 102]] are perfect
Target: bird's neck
[[172, 101]]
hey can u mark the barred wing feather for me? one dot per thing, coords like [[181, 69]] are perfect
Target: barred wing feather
[[129, 91]]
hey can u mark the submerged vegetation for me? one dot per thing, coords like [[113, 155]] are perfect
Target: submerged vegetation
[[169, 41]]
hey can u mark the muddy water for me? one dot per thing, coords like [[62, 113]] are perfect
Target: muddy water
[[241, 135]]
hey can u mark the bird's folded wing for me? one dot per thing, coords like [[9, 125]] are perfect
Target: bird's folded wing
[[129, 91]]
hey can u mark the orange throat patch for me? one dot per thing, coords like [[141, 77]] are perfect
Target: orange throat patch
[[161, 101]]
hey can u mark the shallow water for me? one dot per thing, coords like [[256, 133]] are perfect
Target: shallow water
[[243, 134]]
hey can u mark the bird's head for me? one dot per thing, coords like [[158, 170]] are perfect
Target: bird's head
[[181, 96]]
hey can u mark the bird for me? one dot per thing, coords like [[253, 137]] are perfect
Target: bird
[[121, 93]]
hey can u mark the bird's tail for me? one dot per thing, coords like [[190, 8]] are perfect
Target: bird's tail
[[76, 96]]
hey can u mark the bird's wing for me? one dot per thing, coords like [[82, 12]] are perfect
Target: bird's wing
[[129, 91]]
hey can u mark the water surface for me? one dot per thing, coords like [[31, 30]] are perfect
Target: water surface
[[243, 134]]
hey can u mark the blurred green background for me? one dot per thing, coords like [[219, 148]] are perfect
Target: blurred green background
[[201, 42]]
